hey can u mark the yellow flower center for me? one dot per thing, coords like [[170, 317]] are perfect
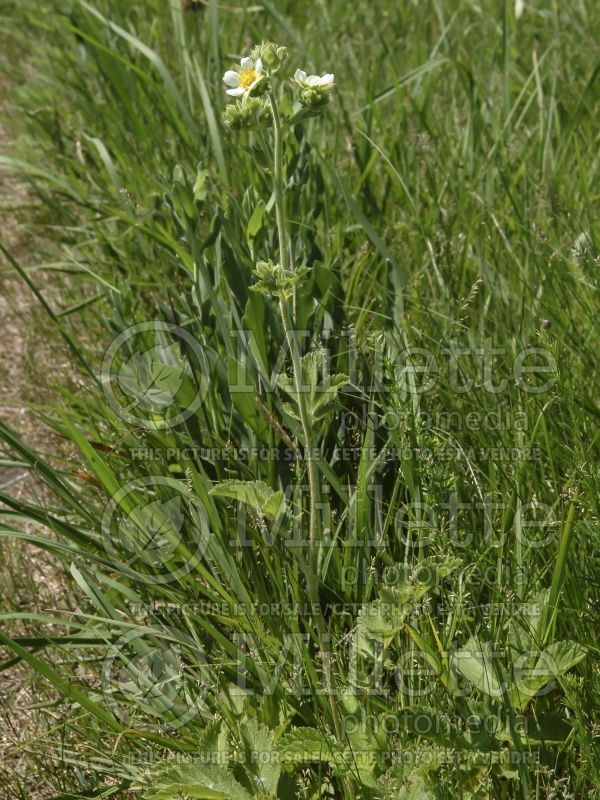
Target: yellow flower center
[[247, 78]]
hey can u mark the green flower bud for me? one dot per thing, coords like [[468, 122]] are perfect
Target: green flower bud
[[272, 279], [314, 101], [249, 113], [271, 55]]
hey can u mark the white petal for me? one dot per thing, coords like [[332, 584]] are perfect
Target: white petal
[[247, 63], [259, 67], [328, 79], [299, 75], [236, 92], [313, 80], [231, 78]]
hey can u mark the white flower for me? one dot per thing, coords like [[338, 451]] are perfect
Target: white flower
[[323, 83], [244, 78]]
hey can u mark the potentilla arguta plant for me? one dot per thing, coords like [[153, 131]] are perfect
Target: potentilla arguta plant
[[259, 83]]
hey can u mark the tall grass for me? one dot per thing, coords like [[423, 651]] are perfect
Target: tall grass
[[446, 207]]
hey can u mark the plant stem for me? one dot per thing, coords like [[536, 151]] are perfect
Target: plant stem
[[311, 453], [279, 203], [310, 449]]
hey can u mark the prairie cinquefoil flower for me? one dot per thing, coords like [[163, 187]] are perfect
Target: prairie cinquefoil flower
[[320, 83], [245, 78], [314, 90]]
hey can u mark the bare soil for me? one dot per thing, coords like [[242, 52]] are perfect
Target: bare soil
[[30, 579]]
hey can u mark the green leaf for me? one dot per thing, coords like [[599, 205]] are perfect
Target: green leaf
[[195, 780], [561, 656], [256, 220], [258, 743], [155, 377], [152, 531], [382, 619], [535, 670], [215, 740], [475, 663], [256, 494], [378, 622], [417, 789], [307, 746], [321, 395], [326, 395], [199, 188]]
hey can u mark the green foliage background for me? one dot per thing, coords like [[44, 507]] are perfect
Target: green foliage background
[[447, 200]]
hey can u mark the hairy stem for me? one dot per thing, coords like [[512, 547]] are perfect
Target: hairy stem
[[311, 451]]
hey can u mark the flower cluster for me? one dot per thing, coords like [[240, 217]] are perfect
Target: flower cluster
[[273, 280], [249, 112], [250, 82]]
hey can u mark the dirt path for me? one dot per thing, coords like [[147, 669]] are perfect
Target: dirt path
[[30, 580]]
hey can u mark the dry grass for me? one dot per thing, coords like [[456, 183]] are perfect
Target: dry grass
[[30, 579]]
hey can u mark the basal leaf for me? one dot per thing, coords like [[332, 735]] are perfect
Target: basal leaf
[[256, 494], [195, 780], [307, 746], [475, 663]]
